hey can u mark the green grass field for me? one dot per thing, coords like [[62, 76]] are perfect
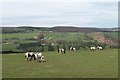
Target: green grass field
[[55, 35], [69, 36], [19, 35], [79, 64], [9, 47]]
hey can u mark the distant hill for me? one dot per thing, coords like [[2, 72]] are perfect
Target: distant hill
[[57, 29], [83, 29]]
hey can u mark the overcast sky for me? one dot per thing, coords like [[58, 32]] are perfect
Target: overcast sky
[[85, 14]]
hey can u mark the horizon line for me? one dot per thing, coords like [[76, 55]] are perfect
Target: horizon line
[[60, 26]]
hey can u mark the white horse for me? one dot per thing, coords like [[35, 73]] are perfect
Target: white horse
[[61, 50], [29, 56], [92, 48], [99, 47]]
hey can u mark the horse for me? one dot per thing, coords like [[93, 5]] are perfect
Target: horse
[[72, 49], [92, 48], [61, 50], [42, 59], [99, 48], [38, 56], [29, 56]]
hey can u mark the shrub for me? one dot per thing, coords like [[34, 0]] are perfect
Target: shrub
[[51, 48], [30, 47]]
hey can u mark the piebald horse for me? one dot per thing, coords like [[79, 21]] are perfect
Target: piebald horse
[[39, 57], [72, 49], [29, 56], [99, 48], [61, 50], [92, 48]]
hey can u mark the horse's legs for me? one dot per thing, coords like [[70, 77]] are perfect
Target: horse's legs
[[31, 59], [27, 59], [39, 59]]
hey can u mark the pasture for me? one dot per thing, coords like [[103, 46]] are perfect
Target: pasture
[[14, 39], [79, 64], [55, 35]]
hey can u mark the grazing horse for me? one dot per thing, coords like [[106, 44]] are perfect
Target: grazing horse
[[92, 48], [72, 49], [38, 56], [29, 56], [42, 59], [61, 50], [99, 48]]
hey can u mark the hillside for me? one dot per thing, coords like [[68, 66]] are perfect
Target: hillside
[[16, 40], [25, 29], [81, 29], [102, 39]]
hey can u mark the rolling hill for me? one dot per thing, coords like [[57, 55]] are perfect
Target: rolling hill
[[57, 29]]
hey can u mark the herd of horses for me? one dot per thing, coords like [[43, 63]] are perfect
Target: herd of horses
[[94, 48], [39, 57]]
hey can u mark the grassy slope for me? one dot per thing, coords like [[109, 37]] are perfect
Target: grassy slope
[[19, 35], [55, 35], [113, 35], [69, 36], [84, 64]]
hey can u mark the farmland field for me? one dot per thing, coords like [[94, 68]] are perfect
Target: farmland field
[[21, 37], [79, 64]]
